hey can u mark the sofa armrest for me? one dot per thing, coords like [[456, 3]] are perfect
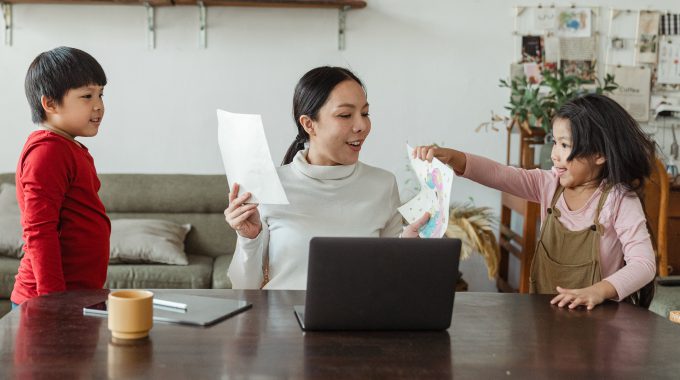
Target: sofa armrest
[[220, 280]]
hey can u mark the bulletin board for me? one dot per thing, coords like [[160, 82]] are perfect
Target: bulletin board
[[550, 37], [640, 47], [643, 52]]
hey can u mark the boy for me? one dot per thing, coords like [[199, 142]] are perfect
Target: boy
[[65, 227]]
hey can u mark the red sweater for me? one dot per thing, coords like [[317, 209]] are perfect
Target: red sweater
[[65, 227]]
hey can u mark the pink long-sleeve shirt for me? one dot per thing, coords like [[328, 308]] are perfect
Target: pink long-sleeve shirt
[[627, 258]]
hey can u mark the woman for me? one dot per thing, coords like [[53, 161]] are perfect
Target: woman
[[331, 192]]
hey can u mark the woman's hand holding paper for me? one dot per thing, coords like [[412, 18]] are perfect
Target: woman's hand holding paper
[[243, 218], [411, 231]]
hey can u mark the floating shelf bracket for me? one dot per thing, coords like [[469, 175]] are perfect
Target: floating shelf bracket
[[342, 19], [150, 26], [202, 28], [7, 16]]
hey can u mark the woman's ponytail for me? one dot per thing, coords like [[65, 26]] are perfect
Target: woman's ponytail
[[297, 145]]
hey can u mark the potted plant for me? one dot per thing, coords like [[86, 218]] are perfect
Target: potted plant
[[533, 105]]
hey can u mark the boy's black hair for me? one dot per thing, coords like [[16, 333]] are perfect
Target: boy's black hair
[[599, 125], [54, 72]]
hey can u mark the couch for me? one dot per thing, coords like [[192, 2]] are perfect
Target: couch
[[198, 200]]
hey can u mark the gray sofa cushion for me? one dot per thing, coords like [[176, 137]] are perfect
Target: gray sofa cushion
[[210, 235], [137, 241], [10, 222], [196, 275], [8, 269], [220, 280], [165, 193]]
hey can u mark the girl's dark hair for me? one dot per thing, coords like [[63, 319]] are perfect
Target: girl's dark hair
[[599, 125], [311, 93], [54, 72]]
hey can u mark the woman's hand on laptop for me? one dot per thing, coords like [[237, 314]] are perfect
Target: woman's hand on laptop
[[243, 218], [411, 231]]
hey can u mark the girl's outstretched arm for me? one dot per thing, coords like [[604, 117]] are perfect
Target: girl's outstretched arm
[[535, 185]]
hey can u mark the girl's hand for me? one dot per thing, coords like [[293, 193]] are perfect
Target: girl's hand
[[451, 157], [411, 231], [588, 297], [243, 218]]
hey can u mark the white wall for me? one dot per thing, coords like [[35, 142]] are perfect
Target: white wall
[[431, 69]]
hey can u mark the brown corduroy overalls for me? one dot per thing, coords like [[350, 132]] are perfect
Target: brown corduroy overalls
[[570, 259]]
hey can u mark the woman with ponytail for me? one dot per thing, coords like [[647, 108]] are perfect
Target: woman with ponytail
[[331, 192]]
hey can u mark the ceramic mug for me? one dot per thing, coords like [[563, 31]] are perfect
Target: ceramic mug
[[674, 316], [130, 313]]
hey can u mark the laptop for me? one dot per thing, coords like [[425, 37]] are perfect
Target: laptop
[[379, 284]]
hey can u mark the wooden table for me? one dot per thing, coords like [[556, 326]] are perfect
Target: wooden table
[[492, 336]]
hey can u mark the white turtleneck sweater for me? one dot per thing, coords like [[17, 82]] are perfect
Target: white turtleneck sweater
[[345, 200]]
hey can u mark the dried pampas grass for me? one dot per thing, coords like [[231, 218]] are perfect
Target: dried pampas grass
[[474, 226]]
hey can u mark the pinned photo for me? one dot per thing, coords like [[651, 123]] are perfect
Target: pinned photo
[[584, 70], [648, 37], [575, 22], [532, 49]]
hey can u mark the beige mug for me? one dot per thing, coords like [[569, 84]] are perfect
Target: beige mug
[[130, 313]]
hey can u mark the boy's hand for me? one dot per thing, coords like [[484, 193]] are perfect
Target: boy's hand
[[588, 297], [411, 231], [243, 218]]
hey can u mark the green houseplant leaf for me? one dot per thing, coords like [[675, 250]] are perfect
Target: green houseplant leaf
[[536, 104]]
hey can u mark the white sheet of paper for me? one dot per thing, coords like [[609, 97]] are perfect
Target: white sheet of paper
[[668, 71], [246, 157], [435, 194]]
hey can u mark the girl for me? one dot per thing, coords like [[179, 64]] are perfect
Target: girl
[[331, 192], [594, 244]]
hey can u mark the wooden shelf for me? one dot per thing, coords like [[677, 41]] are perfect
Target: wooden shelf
[[342, 5], [90, 2], [353, 4]]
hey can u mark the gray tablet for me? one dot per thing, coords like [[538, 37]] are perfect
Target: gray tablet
[[199, 310]]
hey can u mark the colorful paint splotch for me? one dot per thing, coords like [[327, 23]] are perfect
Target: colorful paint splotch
[[435, 180]]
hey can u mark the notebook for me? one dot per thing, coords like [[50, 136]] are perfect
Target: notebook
[[379, 284]]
